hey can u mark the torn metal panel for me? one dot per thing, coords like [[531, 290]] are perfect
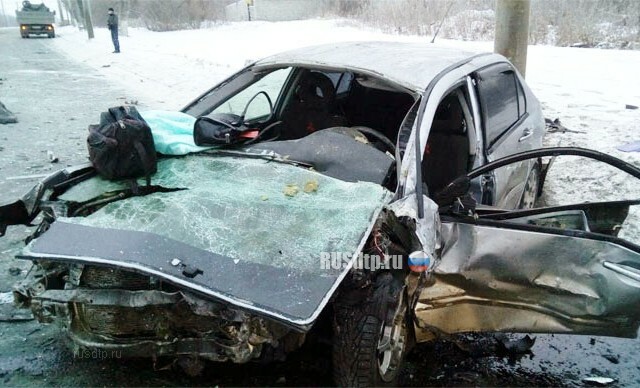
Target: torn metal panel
[[25, 209], [9, 312], [154, 322], [498, 279], [427, 227], [151, 321], [111, 297], [205, 348]]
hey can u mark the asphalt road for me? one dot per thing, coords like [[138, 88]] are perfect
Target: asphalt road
[[55, 99]]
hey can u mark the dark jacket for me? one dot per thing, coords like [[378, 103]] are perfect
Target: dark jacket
[[112, 21]]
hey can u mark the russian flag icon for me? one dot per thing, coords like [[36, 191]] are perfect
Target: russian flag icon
[[419, 261]]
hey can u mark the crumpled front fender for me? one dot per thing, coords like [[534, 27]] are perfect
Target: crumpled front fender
[[23, 210]]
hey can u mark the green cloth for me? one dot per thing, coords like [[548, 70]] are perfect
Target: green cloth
[[172, 132]]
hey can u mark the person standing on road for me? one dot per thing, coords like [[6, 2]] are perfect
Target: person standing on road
[[112, 23]]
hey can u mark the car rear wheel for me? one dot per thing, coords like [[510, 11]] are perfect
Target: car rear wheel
[[371, 337], [531, 188]]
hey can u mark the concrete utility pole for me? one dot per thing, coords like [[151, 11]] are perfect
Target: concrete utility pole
[[88, 23], [512, 31]]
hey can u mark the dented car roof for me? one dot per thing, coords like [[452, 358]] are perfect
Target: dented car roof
[[412, 65]]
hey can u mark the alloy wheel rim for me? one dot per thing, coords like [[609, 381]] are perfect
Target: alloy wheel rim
[[391, 344], [530, 191]]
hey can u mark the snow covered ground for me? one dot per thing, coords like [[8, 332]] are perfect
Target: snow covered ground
[[586, 88]]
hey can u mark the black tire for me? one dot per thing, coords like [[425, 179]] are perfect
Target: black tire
[[358, 329], [531, 188], [52, 35]]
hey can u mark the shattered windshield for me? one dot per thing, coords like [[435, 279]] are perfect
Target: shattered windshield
[[247, 209]]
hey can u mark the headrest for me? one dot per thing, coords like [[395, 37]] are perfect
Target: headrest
[[449, 117], [316, 88]]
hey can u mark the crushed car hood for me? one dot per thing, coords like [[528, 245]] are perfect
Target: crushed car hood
[[247, 231]]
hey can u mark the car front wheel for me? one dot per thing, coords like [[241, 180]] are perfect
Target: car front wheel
[[371, 337]]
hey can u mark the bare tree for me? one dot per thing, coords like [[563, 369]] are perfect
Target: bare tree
[[166, 15], [603, 23]]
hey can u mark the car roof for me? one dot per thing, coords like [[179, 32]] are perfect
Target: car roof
[[412, 65]]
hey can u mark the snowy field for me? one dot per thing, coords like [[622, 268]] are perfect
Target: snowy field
[[586, 88]]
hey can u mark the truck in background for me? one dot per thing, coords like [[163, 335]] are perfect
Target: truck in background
[[36, 20]]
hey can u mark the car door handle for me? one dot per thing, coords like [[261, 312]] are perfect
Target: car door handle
[[527, 133]]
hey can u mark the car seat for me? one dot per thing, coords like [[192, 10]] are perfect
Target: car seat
[[446, 156], [311, 107]]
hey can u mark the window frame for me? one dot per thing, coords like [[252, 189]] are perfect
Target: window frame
[[255, 81], [218, 95]]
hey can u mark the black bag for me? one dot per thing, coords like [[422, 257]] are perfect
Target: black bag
[[221, 129], [121, 146], [118, 113]]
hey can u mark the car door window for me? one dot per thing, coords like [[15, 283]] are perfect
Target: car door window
[[271, 83], [502, 101]]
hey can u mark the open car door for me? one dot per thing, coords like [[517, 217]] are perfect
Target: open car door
[[561, 269]]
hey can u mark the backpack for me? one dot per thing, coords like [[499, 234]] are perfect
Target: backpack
[[121, 146]]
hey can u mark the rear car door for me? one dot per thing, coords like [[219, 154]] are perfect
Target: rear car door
[[508, 128], [561, 269]]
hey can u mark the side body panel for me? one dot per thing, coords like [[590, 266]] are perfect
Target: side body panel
[[494, 278]]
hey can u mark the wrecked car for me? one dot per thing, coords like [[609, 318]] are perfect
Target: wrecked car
[[388, 193]]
